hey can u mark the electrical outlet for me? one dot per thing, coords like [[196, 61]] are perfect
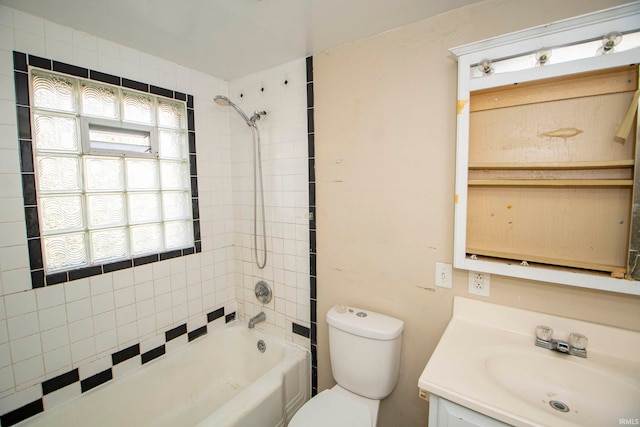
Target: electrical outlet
[[479, 283], [443, 275]]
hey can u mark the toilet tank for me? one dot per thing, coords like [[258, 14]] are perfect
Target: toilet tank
[[365, 350]]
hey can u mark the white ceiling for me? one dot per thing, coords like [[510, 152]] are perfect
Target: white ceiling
[[234, 38]]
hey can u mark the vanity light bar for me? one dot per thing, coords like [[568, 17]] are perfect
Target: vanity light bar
[[609, 43]]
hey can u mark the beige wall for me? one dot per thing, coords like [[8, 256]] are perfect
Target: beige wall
[[385, 159]]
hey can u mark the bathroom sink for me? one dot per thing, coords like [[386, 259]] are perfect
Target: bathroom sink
[[564, 387], [487, 361]]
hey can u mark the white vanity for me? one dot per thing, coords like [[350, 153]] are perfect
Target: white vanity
[[487, 371]]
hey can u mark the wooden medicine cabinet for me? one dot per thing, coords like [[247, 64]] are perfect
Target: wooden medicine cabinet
[[546, 153]]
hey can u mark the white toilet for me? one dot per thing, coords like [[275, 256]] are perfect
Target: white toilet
[[365, 361]]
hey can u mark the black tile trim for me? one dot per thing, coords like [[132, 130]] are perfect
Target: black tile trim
[[189, 101], [23, 115], [309, 67], [170, 254], [132, 84], [196, 333], [37, 279], [22, 413], [310, 95], [60, 381], [73, 70], [180, 96], [33, 225], [125, 354], [21, 86], [115, 266], [230, 317], [152, 354], [29, 189], [192, 143], [26, 156], [145, 260], [175, 332], [104, 77], [20, 61], [313, 288], [35, 254], [82, 273], [215, 314], [36, 61], [96, 380], [191, 125], [56, 278], [160, 91], [300, 330], [188, 251]]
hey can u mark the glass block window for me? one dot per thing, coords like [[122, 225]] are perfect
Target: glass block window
[[113, 171]]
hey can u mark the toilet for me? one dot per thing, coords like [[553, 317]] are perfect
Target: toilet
[[365, 362]]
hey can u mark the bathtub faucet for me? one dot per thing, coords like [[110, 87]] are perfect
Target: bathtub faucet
[[261, 317]]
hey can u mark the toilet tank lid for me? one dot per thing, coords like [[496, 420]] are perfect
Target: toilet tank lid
[[364, 323]]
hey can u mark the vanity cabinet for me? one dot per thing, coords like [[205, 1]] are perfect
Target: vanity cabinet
[[443, 413], [546, 153]]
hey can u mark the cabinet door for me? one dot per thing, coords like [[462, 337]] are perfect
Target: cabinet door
[[443, 413]]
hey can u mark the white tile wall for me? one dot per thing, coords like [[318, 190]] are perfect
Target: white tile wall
[[49, 331], [285, 168]]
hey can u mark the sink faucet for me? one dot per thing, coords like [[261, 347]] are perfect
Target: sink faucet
[[261, 317], [577, 345]]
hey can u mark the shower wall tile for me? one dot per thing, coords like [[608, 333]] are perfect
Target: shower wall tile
[[48, 331], [282, 92]]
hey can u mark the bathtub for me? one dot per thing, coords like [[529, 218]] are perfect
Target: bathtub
[[220, 379]]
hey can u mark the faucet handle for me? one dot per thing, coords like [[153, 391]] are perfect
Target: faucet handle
[[544, 333], [578, 341]]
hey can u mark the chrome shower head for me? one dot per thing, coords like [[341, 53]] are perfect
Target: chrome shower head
[[226, 102], [222, 100]]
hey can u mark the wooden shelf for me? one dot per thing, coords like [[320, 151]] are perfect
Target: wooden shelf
[[545, 260], [608, 164], [552, 182]]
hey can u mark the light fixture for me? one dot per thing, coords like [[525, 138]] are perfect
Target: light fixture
[[609, 41], [542, 56], [485, 66]]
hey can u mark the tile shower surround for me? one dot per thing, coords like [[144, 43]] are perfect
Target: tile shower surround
[[42, 38]]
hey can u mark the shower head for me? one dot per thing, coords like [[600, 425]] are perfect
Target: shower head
[[222, 100], [226, 102]]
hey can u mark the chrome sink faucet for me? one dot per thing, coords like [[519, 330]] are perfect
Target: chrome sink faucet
[[260, 317], [576, 346]]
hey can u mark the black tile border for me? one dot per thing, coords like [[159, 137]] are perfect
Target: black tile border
[[125, 354], [22, 413], [63, 380], [174, 333], [56, 383], [21, 64], [300, 330], [311, 332], [96, 380], [153, 354], [197, 333]]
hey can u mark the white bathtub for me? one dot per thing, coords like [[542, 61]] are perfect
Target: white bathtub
[[220, 379]]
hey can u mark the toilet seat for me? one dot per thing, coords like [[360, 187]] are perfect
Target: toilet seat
[[331, 409]]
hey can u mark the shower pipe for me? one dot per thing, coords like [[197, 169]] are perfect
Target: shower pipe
[[257, 175]]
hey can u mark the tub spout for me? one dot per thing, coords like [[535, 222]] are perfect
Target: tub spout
[[261, 317]]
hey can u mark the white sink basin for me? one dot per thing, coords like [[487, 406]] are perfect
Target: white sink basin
[[565, 387], [487, 361]]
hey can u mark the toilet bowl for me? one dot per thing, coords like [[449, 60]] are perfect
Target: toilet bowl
[[334, 407], [365, 362]]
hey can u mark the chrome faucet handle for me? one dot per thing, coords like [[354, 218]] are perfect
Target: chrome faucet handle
[[544, 333]]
